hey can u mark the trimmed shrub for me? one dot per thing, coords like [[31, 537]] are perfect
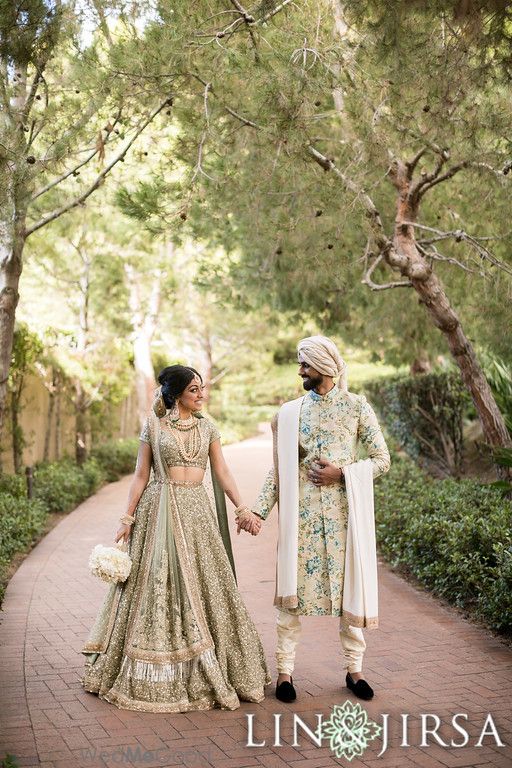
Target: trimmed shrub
[[16, 485], [425, 415], [117, 457], [21, 522], [453, 536], [61, 485]]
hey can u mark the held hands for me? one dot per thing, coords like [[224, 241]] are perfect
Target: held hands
[[248, 521], [323, 472]]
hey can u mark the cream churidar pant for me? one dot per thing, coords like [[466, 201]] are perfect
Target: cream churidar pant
[[288, 634]]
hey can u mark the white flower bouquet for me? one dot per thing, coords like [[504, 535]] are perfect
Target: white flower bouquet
[[111, 564]]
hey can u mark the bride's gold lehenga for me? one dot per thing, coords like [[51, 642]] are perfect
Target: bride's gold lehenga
[[176, 636]]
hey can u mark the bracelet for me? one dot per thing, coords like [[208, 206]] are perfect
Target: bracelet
[[127, 519], [242, 512]]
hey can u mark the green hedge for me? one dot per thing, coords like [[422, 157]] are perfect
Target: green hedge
[[20, 521], [453, 536], [424, 414], [117, 458], [59, 486]]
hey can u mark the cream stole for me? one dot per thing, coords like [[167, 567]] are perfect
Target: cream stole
[[288, 475], [360, 587]]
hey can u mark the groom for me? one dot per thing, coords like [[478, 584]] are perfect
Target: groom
[[315, 443]]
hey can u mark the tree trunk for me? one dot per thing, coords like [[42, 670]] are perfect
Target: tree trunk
[[445, 318], [143, 322], [207, 364], [58, 426], [144, 375], [341, 29], [81, 423], [11, 249], [17, 433], [49, 420], [433, 296], [14, 193]]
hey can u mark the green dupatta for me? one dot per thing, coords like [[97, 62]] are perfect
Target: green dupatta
[[222, 517]]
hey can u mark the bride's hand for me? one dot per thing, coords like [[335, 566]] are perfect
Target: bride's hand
[[123, 532], [251, 524]]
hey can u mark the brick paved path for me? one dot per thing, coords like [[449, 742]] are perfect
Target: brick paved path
[[423, 659]]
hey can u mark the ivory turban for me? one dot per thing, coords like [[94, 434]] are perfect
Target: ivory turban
[[322, 354]]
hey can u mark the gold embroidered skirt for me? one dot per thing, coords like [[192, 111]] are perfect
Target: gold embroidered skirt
[[176, 636]]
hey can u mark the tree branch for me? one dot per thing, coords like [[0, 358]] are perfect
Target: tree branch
[[72, 171], [243, 20], [199, 165], [488, 167], [101, 176], [415, 191], [447, 175], [246, 16], [273, 12], [232, 112], [86, 115], [33, 91], [411, 164], [367, 279], [458, 235], [383, 242], [432, 253]]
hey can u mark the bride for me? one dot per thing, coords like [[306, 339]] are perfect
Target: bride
[[176, 635]]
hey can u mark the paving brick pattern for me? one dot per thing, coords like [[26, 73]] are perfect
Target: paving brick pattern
[[424, 659]]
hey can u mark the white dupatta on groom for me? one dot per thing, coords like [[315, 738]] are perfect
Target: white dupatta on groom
[[360, 591]]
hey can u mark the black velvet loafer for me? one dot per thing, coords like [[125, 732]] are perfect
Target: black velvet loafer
[[285, 691], [359, 687]]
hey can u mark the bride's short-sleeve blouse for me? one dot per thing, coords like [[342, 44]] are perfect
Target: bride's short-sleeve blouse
[[169, 445]]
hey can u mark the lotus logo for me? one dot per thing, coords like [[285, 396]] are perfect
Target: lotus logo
[[349, 730]]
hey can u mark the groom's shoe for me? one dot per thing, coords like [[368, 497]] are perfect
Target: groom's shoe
[[359, 687], [285, 691]]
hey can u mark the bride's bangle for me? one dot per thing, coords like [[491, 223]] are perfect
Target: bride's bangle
[[127, 519], [242, 512]]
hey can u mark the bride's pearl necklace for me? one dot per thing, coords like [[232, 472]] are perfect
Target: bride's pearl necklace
[[188, 436]]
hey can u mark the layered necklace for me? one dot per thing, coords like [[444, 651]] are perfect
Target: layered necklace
[[188, 436]]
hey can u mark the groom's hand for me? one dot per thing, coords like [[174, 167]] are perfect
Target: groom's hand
[[323, 472], [250, 524]]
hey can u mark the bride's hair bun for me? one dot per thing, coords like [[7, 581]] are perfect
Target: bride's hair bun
[[174, 380]]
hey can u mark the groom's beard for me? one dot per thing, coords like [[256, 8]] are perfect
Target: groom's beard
[[310, 382]]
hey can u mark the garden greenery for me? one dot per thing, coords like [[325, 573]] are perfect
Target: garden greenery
[[454, 537], [424, 414], [59, 486]]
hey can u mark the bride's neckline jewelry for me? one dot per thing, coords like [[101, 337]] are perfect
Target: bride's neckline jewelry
[[183, 424], [189, 440]]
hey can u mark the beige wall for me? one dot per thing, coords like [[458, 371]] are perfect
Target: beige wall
[[34, 417]]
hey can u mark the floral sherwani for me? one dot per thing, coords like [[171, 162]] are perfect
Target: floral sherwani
[[330, 427]]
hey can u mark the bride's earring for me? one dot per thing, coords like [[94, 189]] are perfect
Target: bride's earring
[[174, 413]]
